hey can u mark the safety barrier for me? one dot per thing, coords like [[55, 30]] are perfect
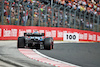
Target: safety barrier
[[40, 14], [11, 32]]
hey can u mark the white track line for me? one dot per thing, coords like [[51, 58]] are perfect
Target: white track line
[[34, 54], [72, 42], [55, 59]]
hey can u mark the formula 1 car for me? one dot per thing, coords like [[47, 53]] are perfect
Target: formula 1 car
[[35, 40]]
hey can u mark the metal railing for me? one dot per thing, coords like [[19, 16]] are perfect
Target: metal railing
[[40, 14]]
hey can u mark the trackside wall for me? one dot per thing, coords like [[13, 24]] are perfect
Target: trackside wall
[[11, 32]]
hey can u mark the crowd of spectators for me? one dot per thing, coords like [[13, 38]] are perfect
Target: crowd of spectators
[[25, 14], [14, 11], [89, 5]]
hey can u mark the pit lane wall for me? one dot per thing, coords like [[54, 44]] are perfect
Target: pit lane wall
[[11, 32]]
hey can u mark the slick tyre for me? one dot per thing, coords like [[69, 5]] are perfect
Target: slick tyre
[[48, 43], [21, 42]]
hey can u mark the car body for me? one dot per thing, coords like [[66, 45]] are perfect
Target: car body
[[35, 40]]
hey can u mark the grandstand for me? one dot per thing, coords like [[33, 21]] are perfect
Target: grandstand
[[78, 14]]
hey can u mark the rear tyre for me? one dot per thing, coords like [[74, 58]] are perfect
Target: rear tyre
[[21, 42], [48, 43]]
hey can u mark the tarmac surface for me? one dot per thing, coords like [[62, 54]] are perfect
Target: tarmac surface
[[82, 54], [11, 57]]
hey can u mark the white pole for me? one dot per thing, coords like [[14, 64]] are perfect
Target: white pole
[[51, 3]]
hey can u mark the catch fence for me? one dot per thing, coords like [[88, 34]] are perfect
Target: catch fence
[[41, 14]]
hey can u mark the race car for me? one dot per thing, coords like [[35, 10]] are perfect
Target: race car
[[35, 41]]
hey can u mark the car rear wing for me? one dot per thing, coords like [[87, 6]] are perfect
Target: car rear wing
[[34, 34]]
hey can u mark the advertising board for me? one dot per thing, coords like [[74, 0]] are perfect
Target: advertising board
[[71, 37], [12, 32]]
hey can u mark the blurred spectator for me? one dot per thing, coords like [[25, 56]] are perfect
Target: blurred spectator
[[82, 5]]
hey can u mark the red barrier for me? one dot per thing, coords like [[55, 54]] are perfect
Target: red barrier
[[11, 32]]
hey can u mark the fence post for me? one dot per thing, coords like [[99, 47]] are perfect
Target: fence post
[[52, 15], [10, 12], [75, 19], [3, 13], [18, 11], [32, 14], [58, 18], [98, 23], [25, 16], [80, 18], [89, 20], [85, 19], [46, 14], [58, 15], [93, 20], [64, 16], [70, 18], [39, 14]]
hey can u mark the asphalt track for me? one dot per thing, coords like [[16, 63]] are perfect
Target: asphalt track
[[82, 54], [11, 57]]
